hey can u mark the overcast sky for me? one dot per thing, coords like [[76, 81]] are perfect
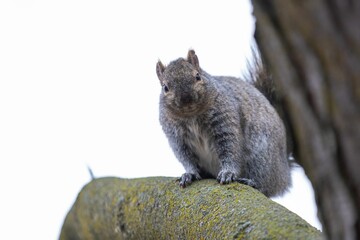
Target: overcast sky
[[78, 88]]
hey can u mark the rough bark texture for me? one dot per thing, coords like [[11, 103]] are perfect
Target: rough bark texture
[[313, 51], [157, 208]]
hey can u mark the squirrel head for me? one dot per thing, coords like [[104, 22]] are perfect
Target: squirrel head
[[185, 88]]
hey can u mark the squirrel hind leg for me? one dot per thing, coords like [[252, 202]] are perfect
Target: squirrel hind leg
[[248, 182]]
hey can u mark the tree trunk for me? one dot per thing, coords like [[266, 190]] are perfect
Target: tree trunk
[[313, 51], [157, 208]]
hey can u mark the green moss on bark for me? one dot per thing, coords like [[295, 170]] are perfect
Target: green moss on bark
[[157, 208]]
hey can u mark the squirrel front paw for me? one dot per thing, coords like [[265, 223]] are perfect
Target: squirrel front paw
[[187, 178], [226, 176]]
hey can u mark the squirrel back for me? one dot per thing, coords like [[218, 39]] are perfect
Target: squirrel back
[[222, 127]]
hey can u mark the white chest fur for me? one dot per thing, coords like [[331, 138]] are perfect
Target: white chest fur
[[202, 144]]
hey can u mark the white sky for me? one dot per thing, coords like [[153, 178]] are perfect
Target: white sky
[[78, 87]]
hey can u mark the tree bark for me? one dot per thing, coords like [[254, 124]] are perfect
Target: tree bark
[[157, 208], [313, 51]]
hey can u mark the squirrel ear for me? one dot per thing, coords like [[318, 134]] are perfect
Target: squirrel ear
[[159, 70], [193, 59]]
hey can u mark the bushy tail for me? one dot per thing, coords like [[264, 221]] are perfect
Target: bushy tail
[[259, 75]]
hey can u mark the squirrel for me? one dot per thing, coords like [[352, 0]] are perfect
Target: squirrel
[[222, 127]]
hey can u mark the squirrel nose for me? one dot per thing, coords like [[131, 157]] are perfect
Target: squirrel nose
[[185, 98]]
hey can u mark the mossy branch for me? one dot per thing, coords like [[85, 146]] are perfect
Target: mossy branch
[[157, 208]]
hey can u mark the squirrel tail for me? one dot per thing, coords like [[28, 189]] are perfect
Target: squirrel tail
[[259, 76]]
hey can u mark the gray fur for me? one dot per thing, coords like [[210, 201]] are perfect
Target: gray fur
[[222, 127]]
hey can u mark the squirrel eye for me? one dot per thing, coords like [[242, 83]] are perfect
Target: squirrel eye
[[166, 89], [197, 77]]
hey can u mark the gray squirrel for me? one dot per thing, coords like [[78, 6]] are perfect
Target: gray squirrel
[[222, 127]]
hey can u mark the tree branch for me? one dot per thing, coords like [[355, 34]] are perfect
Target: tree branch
[[157, 208]]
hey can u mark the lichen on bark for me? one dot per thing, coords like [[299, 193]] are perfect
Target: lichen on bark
[[157, 208]]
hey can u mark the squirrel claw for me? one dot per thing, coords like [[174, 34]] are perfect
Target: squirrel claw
[[226, 177], [187, 178]]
